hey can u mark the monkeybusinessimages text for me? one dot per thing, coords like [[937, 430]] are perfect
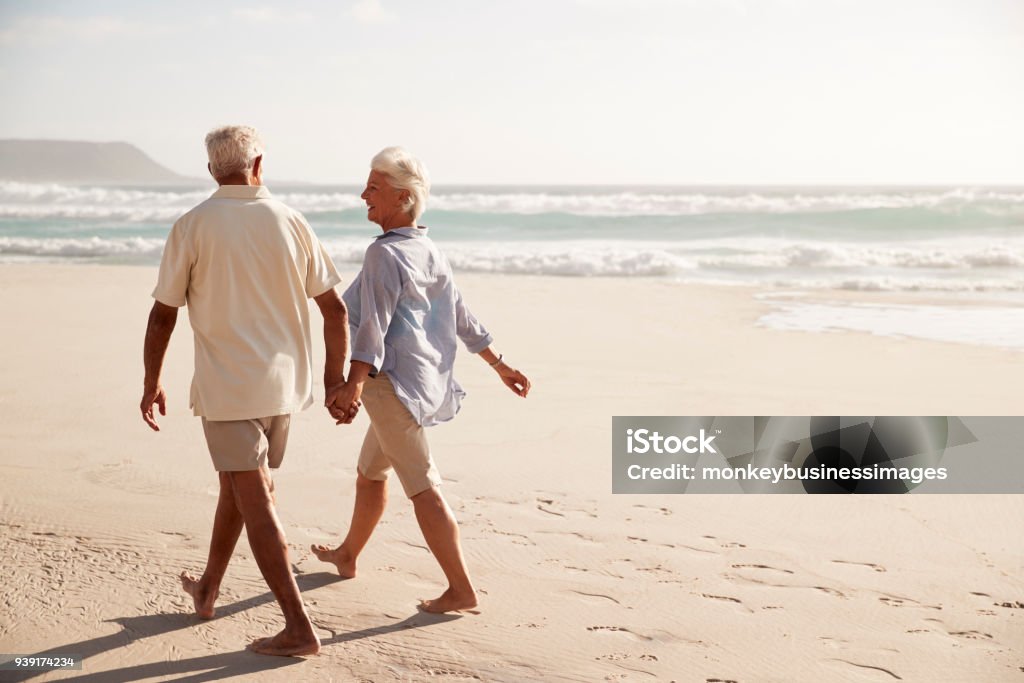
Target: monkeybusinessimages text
[[644, 441]]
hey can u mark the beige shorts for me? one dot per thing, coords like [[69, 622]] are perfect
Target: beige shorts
[[241, 445], [395, 440]]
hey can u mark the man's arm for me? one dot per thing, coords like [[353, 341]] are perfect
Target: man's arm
[[335, 336], [162, 319], [336, 342]]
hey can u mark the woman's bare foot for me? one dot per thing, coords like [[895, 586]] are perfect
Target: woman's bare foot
[[450, 601], [286, 644], [339, 557], [202, 597]]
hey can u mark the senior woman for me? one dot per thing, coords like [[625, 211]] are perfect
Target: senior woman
[[405, 314]]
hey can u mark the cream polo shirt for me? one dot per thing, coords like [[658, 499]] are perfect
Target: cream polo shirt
[[246, 265]]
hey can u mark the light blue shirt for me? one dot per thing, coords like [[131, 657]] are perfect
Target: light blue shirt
[[405, 314]]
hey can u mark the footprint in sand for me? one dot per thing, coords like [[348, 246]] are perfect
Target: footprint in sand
[[901, 601], [623, 656], [971, 635], [518, 539], [965, 634], [448, 671], [656, 510], [761, 566], [576, 535], [1011, 604], [869, 565], [877, 673], [613, 656], [317, 532], [545, 505], [596, 596], [619, 629], [833, 642], [892, 602], [562, 564], [725, 544], [412, 548], [657, 570], [725, 598], [549, 505]]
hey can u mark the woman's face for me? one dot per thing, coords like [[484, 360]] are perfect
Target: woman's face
[[385, 204]]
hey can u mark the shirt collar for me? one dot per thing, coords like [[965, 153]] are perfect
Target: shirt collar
[[242, 192], [410, 231]]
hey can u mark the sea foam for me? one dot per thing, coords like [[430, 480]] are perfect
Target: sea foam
[[983, 325], [40, 200]]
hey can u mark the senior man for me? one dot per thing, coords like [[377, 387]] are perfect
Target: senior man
[[246, 265]]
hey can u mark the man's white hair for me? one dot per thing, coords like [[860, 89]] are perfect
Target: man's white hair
[[232, 149], [406, 172]]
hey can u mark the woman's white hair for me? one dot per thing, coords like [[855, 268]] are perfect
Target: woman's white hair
[[232, 149], [406, 172]]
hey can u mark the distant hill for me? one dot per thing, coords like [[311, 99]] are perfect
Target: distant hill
[[89, 162]]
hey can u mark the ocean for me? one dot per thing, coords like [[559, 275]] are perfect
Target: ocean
[[962, 243]]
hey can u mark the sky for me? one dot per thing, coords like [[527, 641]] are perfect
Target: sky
[[538, 91]]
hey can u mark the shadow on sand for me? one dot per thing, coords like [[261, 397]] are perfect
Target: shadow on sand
[[208, 667]]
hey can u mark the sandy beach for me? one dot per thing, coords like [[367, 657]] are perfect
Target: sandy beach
[[99, 514]]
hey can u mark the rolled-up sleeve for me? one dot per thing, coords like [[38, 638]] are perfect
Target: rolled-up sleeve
[[321, 274], [175, 268], [469, 329], [379, 288]]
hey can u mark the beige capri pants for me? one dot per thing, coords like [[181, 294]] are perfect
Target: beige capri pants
[[395, 440]]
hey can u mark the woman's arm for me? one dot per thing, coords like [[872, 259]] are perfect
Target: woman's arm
[[379, 289], [478, 341], [512, 378], [468, 328]]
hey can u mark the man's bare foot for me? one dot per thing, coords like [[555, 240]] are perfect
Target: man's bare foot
[[339, 557], [202, 597], [450, 601], [286, 644]]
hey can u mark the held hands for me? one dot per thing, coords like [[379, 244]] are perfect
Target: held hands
[[513, 379], [343, 401], [153, 396]]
